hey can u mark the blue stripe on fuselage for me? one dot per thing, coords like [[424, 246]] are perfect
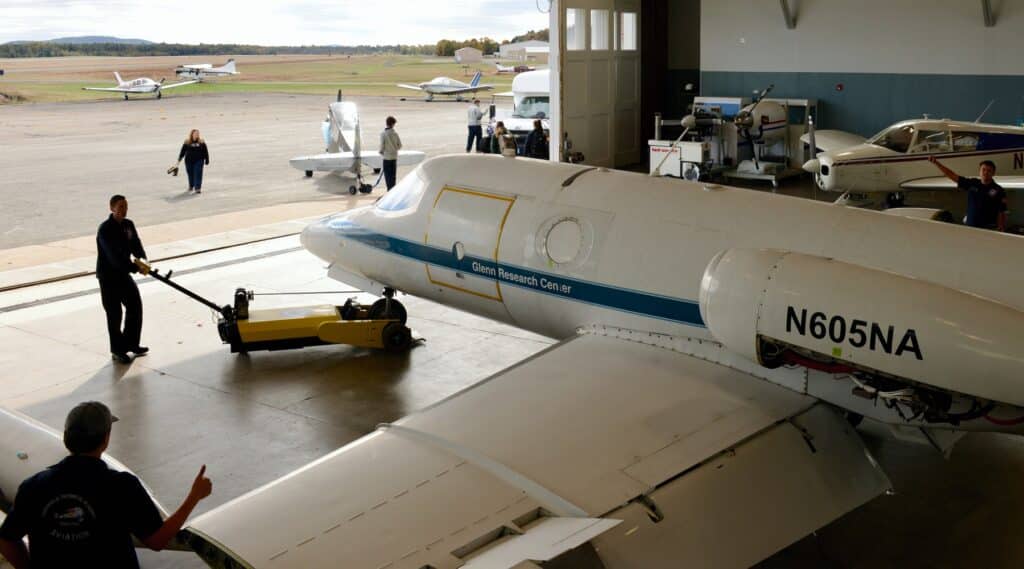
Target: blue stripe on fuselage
[[606, 296]]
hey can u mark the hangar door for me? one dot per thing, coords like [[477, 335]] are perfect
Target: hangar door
[[599, 75]]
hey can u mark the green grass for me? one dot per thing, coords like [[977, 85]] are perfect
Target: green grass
[[365, 75]]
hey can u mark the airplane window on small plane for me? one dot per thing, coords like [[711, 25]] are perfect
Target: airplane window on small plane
[[406, 195], [931, 141], [965, 141]]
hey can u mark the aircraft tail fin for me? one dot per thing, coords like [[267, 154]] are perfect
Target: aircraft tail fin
[[476, 79], [118, 77], [229, 66]]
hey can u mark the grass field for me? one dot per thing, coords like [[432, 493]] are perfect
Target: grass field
[[62, 79]]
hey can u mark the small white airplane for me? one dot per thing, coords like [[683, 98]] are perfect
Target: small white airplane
[[895, 161], [340, 126], [449, 86], [720, 348], [201, 71], [140, 86], [513, 68]]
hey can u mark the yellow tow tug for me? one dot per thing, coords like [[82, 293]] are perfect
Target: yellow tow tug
[[380, 325]]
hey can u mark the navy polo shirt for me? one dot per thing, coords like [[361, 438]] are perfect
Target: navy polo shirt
[[984, 202], [80, 513]]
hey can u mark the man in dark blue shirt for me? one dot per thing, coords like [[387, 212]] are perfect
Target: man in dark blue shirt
[[986, 200], [80, 513], [116, 242]]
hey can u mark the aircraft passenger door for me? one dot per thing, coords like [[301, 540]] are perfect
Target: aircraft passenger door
[[463, 234], [599, 79]]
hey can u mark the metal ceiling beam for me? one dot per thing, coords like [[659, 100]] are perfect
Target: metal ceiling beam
[[986, 12], [790, 15]]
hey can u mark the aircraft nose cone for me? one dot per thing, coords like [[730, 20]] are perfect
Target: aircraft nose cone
[[319, 239], [813, 166]]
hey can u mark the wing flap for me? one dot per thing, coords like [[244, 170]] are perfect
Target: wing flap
[[545, 541], [832, 140], [581, 430]]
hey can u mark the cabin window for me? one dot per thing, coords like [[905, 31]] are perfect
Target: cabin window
[[533, 108], [897, 138], [575, 29], [405, 195], [931, 141], [965, 141]]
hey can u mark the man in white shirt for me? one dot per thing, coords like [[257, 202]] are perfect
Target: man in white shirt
[[475, 130], [390, 144]]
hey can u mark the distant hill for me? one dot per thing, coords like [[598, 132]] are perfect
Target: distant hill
[[90, 39]]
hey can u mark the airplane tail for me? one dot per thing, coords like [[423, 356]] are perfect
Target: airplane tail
[[476, 79], [229, 66], [118, 77]]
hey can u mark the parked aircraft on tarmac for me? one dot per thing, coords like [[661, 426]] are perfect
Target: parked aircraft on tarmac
[[895, 161], [140, 86], [513, 68], [449, 86], [341, 126], [201, 71], [718, 348]]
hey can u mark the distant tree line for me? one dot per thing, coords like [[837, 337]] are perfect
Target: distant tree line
[[539, 35], [447, 48], [50, 49]]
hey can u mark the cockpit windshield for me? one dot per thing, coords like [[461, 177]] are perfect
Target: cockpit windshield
[[895, 138], [533, 108], [404, 196]]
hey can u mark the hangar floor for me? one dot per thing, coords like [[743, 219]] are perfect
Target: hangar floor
[[251, 419]]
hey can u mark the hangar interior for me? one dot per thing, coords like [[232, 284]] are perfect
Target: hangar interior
[[868, 64]]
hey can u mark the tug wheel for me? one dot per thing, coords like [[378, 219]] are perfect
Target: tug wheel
[[352, 190], [396, 337], [388, 309]]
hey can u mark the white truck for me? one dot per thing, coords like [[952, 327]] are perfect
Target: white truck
[[531, 96]]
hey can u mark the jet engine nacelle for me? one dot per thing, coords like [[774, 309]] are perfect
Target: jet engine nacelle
[[765, 121], [763, 303]]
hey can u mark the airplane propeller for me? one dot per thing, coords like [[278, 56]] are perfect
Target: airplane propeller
[[744, 121], [813, 165]]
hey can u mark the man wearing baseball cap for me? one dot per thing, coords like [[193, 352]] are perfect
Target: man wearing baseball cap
[[80, 513]]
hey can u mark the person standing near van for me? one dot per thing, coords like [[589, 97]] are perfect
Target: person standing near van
[[390, 144], [196, 156]]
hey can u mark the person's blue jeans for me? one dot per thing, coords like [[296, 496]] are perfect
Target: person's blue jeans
[[477, 132], [195, 174]]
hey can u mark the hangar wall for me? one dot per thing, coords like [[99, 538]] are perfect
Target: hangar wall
[[895, 59]]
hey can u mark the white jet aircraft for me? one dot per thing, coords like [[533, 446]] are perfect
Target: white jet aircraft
[[895, 161], [449, 86], [342, 125], [140, 86], [718, 347], [201, 71]]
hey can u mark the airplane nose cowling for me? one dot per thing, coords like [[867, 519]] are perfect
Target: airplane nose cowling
[[319, 239]]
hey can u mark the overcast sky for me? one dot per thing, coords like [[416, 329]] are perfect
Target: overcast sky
[[266, 22]]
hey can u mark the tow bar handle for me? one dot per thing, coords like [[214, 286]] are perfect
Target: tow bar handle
[[226, 311]]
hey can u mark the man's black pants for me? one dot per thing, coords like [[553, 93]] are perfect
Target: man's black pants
[[116, 291], [390, 173]]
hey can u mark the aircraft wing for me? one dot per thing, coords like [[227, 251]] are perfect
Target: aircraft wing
[[468, 90], [505, 94], [373, 159], [112, 89], [182, 84], [831, 140], [944, 183], [617, 449], [326, 162], [407, 86]]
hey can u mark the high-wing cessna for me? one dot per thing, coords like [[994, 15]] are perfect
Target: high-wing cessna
[[201, 71], [140, 86], [449, 86], [718, 348], [895, 161], [340, 126], [513, 68]]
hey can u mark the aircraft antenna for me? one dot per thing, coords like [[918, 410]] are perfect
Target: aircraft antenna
[[985, 111]]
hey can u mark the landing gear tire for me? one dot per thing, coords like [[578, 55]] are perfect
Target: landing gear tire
[[159, 94], [126, 96], [396, 338], [365, 188], [309, 173], [376, 170], [352, 190], [388, 309]]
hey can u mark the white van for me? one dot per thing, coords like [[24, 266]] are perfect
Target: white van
[[531, 95]]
